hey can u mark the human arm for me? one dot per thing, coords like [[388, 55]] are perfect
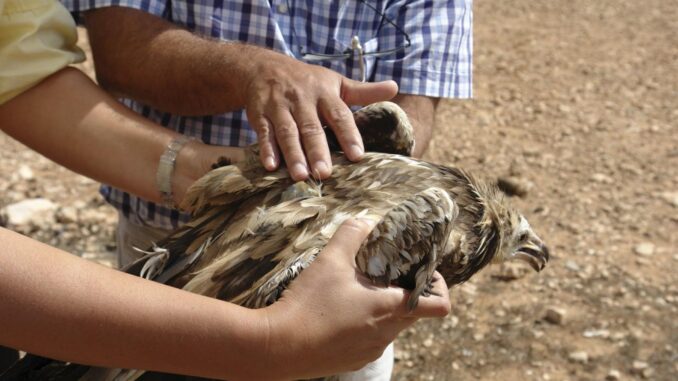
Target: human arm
[[111, 319], [151, 60], [73, 122], [421, 112]]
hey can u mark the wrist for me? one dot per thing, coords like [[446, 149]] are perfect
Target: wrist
[[276, 341], [166, 169]]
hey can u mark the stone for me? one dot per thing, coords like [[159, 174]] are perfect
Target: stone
[[580, 357], [453, 321], [36, 211], [602, 178], [613, 375], [25, 173], [596, 333], [670, 197], [647, 373], [67, 215], [555, 315], [644, 249], [572, 265], [638, 366]]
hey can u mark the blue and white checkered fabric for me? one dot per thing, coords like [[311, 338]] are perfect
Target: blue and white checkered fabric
[[437, 64]]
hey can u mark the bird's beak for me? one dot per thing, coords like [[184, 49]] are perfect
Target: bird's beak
[[536, 254]]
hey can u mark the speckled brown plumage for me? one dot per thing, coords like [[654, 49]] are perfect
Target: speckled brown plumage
[[253, 230]]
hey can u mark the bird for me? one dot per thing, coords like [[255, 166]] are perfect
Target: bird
[[253, 231]]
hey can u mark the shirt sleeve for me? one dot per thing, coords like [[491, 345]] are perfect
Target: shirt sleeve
[[439, 61], [155, 7], [37, 38]]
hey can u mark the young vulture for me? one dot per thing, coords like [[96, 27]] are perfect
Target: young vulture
[[253, 231]]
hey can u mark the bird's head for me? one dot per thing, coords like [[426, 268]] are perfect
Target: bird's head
[[488, 230], [519, 241]]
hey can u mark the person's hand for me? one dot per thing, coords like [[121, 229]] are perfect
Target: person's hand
[[287, 103], [332, 319]]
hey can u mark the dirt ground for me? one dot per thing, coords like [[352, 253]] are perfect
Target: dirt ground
[[576, 102]]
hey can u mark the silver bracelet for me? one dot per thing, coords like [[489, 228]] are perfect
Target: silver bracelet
[[166, 169]]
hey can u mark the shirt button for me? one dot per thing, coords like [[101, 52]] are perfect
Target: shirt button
[[282, 8]]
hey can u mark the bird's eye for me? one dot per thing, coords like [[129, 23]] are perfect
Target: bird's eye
[[523, 237]]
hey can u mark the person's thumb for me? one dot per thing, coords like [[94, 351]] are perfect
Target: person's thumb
[[349, 237], [364, 93], [437, 304]]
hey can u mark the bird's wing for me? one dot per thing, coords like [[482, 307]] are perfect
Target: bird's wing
[[216, 199], [409, 242], [259, 253]]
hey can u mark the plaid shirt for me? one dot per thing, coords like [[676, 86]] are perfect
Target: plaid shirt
[[437, 64]]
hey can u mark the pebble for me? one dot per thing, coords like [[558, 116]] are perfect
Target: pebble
[[32, 211], [613, 375], [26, 173], [453, 321], [67, 215], [602, 178], [579, 357], [572, 265], [670, 197], [637, 367], [645, 249], [555, 315], [593, 333]]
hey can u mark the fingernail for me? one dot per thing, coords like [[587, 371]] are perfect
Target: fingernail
[[269, 163], [299, 171], [320, 168], [356, 151], [368, 221]]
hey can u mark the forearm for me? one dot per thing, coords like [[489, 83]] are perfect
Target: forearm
[[421, 112], [160, 64], [56, 305], [71, 121]]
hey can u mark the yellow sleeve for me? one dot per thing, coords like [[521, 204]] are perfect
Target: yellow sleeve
[[37, 39]]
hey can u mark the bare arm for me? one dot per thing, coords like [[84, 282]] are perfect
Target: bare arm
[[71, 121], [421, 111], [49, 298], [151, 60]]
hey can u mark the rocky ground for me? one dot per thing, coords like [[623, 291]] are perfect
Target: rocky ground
[[575, 107]]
